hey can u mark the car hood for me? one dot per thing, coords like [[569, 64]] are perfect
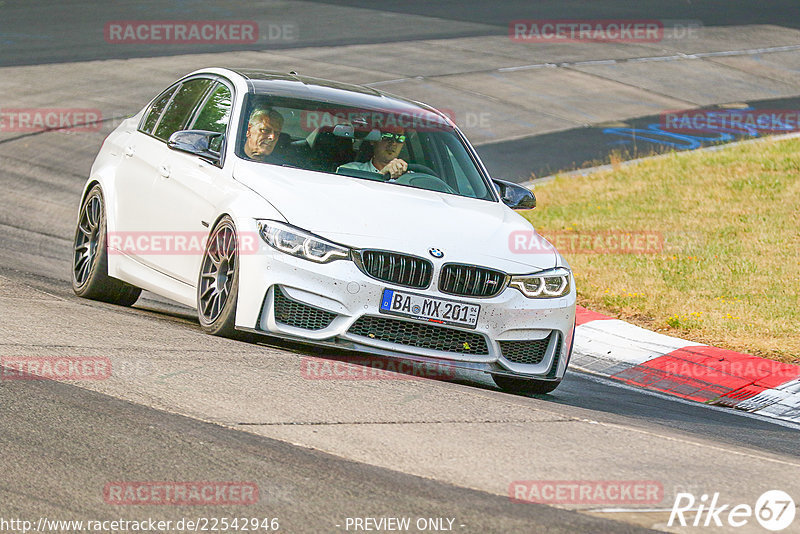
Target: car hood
[[365, 214]]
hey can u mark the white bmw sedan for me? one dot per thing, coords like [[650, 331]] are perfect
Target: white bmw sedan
[[327, 213]]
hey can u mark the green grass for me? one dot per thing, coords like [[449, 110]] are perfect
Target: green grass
[[729, 270]]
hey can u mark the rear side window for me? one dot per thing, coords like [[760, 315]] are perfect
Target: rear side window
[[156, 109], [182, 107]]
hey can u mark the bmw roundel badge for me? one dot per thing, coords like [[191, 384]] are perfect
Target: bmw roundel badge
[[436, 253]]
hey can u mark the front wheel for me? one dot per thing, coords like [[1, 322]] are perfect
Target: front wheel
[[218, 286], [525, 386], [90, 257]]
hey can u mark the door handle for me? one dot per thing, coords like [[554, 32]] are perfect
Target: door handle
[[163, 170], [129, 151]]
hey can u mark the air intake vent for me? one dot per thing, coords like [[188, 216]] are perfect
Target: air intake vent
[[293, 313], [530, 352], [419, 335]]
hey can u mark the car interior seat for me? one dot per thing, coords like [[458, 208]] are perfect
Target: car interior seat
[[365, 151], [328, 151]]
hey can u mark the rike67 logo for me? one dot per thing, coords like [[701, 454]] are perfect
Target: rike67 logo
[[774, 510]]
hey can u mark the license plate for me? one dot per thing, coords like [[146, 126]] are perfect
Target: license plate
[[431, 309]]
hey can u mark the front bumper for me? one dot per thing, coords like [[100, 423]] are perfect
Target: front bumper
[[336, 304]]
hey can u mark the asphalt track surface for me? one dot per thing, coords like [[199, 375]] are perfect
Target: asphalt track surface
[[61, 443], [307, 491], [41, 31]]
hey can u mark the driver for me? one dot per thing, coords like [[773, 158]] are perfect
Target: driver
[[384, 155], [263, 131]]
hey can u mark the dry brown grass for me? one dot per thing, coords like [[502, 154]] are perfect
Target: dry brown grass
[[729, 270]]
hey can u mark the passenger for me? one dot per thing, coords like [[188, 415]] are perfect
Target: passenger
[[263, 133], [384, 155]]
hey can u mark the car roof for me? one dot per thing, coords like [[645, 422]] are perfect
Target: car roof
[[307, 87]]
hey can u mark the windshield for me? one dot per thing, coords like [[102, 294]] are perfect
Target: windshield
[[406, 148]]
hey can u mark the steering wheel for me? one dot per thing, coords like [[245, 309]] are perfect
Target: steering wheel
[[416, 167], [423, 178]]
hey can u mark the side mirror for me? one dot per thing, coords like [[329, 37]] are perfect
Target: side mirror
[[515, 196], [197, 142]]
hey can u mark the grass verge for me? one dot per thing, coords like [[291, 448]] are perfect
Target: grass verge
[[724, 265]]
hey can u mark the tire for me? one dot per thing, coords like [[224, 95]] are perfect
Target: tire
[[525, 386], [218, 284], [90, 278]]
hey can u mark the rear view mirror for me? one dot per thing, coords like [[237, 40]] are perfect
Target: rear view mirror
[[197, 142], [344, 130], [515, 196]]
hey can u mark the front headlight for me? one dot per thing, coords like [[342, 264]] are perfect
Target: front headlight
[[297, 242], [544, 285]]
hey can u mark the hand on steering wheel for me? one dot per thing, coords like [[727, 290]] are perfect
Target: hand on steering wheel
[[395, 168]]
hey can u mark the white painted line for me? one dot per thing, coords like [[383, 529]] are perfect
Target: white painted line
[[387, 82], [527, 67], [749, 51], [591, 62], [657, 58]]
